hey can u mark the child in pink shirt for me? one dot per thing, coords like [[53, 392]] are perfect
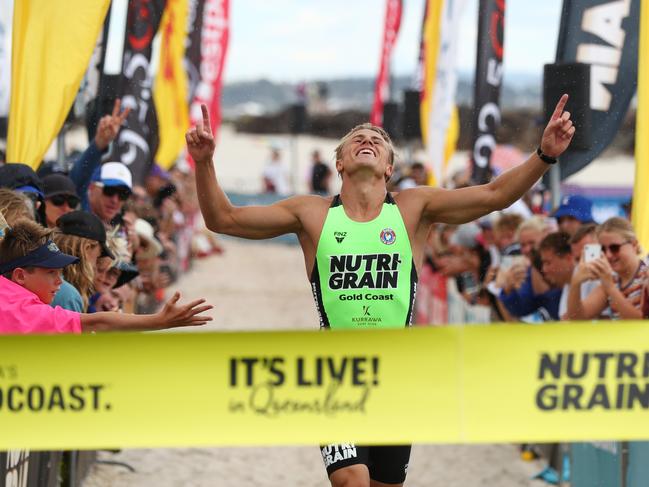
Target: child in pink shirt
[[30, 276]]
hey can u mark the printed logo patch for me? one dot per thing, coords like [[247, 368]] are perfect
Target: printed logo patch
[[340, 236], [51, 246], [388, 236]]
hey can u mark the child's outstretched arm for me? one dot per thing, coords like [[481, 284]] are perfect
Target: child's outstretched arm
[[171, 316]]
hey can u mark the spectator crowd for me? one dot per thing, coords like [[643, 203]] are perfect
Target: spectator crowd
[[532, 267], [128, 242]]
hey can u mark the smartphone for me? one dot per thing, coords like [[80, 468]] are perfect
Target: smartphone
[[507, 261], [592, 252], [469, 283]]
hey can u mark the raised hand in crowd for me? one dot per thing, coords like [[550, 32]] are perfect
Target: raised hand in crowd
[[511, 278], [174, 315], [109, 125], [171, 316], [601, 270], [200, 140], [583, 272]]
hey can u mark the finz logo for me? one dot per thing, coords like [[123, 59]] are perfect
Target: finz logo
[[340, 236], [388, 236]]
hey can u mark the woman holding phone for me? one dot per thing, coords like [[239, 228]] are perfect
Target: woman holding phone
[[620, 271]]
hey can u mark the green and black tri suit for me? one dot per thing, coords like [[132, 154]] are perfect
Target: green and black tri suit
[[364, 275]]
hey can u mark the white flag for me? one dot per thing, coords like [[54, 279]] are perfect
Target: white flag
[[6, 21]]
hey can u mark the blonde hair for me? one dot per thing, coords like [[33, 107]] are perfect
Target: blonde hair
[[368, 126], [507, 221], [82, 275], [15, 205], [621, 226], [536, 223]]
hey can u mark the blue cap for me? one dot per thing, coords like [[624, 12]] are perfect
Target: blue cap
[[30, 189], [577, 207], [47, 256]]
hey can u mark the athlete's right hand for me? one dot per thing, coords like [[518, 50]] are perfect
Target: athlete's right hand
[[200, 140]]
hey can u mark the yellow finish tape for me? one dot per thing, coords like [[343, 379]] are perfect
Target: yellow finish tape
[[499, 383]]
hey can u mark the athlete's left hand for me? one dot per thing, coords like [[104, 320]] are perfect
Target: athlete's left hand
[[559, 131]]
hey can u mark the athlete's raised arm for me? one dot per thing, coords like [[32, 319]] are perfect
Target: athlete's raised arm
[[467, 204], [220, 215]]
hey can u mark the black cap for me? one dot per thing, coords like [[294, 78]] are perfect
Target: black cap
[[50, 167], [17, 175], [87, 225], [54, 184], [127, 274]]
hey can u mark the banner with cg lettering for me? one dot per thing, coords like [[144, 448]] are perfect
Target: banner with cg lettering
[[603, 34]]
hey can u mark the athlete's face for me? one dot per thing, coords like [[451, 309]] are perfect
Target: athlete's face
[[365, 150]]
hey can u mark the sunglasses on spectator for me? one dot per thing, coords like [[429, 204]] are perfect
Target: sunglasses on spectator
[[60, 199], [613, 248], [122, 192]]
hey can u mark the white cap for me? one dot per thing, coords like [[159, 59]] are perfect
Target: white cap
[[113, 174], [152, 246]]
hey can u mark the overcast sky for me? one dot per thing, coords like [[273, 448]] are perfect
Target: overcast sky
[[295, 40]]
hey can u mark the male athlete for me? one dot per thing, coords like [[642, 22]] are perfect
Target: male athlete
[[364, 247]]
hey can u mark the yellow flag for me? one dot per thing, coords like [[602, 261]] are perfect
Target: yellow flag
[[170, 92], [432, 27], [640, 206], [52, 44]]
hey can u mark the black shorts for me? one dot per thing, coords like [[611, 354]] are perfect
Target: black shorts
[[387, 464]]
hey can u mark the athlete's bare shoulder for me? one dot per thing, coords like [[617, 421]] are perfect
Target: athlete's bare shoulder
[[413, 200], [306, 203], [310, 210]]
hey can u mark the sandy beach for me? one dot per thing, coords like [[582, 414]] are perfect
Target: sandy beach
[[263, 286]]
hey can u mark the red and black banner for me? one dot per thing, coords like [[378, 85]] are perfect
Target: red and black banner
[[488, 80], [604, 35], [382, 88], [214, 40], [138, 141]]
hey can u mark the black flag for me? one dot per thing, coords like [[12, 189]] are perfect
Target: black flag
[[486, 100], [193, 45], [137, 142], [604, 35]]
